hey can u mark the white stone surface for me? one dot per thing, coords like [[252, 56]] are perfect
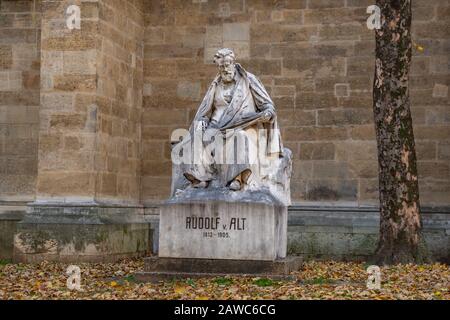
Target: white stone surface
[[222, 230], [234, 140]]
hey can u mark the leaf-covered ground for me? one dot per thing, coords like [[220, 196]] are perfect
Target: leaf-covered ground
[[316, 280]]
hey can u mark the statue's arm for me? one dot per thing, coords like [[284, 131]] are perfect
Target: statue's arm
[[204, 113], [262, 99]]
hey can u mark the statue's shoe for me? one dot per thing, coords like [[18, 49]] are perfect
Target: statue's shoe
[[235, 185], [201, 185]]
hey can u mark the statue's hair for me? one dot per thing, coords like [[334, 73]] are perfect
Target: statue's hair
[[222, 53]]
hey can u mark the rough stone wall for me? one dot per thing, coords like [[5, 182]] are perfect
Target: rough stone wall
[[91, 89], [316, 58], [19, 98], [430, 83], [68, 113], [120, 83]]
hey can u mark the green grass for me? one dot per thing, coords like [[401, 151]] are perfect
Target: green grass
[[264, 282], [130, 278], [4, 262], [223, 281], [319, 280], [191, 283]]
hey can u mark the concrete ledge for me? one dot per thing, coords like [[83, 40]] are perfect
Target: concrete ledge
[[81, 234], [157, 269], [34, 243], [314, 232], [10, 215], [351, 233]]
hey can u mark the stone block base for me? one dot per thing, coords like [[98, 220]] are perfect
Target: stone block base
[[223, 230], [159, 269], [81, 234]]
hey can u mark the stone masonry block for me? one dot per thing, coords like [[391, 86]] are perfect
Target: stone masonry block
[[80, 62], [342, 90], [440, 91], [189, 90], [236, 32]]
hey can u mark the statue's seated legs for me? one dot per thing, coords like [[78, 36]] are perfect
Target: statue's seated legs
[[238, 182], [232, 172], [235, 185], [195, 182]]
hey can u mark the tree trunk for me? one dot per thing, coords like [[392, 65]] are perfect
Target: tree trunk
[[400, 223]]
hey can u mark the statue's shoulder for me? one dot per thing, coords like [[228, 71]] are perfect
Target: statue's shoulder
[[215, 82], [243, 72], [252, 78]]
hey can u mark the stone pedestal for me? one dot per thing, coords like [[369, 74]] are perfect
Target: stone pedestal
[[217, 238], [223, 230]]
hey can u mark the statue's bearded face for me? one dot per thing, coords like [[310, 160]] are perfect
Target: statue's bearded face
[[227, 68]]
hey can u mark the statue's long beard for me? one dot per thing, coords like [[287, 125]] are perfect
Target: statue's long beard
[[227, 77]]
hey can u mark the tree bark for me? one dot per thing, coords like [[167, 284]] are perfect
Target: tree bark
[[400, 222]]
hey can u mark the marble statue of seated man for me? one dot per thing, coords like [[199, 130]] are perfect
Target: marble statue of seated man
[[234, 140]]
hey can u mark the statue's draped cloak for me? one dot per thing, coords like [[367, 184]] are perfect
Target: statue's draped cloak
[[248, 91], [240, 118]]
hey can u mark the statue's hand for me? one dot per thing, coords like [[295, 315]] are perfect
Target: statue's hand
[[267, 116], [202, 125]]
